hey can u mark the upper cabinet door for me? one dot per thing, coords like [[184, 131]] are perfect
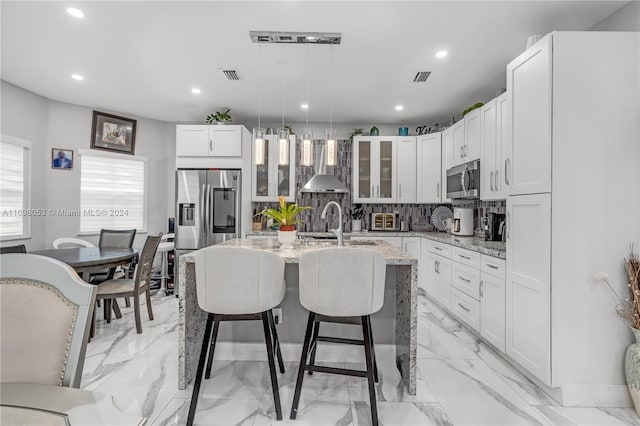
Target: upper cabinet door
[[429, 173], [225, 141], [406, 173], [192, 141], [457, 131], [363, 187], [488, 145], [471, 148], [503, 145], [529, 84], [387, 169], [271, 178]]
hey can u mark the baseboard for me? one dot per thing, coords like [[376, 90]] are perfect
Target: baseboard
[[596, 396], [327, 352]]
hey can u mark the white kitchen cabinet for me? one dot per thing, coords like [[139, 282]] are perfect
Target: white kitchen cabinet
[[447, 161], [412, 246], [493, 301], [439, 279], [429, 174], [488, 157], [458, 141], [406, 166], [528, 284], [374, 169], [208, 141], [529, 83], [466, 308], [271, 179], [471, 148]]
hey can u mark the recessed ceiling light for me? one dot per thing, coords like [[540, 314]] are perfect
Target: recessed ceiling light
[[441, 54], [399, 107], [195, 91], [76, 13], [77, 77], [304, 106]]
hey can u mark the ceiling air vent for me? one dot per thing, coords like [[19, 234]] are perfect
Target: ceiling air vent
[[231, 75], [295, 37], [421, 76]]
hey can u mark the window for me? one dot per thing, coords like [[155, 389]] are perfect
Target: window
[[112, 192], [14, 188]]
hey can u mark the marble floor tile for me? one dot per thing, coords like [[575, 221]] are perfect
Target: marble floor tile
[[225, 411], [406, 414], [311, 412], [442, 337], [236, 380], [579, 416]]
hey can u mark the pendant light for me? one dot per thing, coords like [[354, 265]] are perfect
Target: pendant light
[[283, 132], [258, 132], [331, 148], [306, 151]]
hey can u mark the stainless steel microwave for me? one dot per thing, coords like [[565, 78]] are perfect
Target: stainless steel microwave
[[463, 181]]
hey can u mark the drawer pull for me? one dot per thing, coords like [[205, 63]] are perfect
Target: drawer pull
[[481, 289], [464, 257], [464, 279], [492, 266], [437, 248], [464, 307]]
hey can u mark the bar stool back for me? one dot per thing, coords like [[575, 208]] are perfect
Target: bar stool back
[[236, 284], [344, 285]]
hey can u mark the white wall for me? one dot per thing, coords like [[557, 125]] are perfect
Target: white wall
[[51, 124], [627, 18]]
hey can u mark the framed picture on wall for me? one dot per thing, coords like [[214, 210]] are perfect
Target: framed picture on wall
[[61, 159], [113, 133]]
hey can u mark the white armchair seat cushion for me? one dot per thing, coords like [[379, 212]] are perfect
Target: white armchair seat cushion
[[117, 286]]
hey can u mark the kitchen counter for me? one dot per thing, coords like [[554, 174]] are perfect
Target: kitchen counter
[[402, 273], [490, 248]]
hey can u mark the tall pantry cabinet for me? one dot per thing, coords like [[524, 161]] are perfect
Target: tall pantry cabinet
[[573, 163]]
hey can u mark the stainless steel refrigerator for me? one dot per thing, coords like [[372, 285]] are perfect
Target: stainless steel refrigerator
[[207, 208]]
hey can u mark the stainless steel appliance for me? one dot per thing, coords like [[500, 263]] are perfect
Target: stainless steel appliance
[[384, 221], [462, 222], [463, 181], [207, 207], [495, 227]]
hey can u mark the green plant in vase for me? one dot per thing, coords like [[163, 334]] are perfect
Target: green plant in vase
[[286, 216], [219, 117]]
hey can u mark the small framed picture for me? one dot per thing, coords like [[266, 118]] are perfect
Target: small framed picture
[[61, 159], [112, 133]]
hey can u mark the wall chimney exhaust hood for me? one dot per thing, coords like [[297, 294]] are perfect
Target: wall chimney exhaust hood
[[323, 181]]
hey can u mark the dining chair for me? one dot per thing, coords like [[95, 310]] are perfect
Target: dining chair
[[69, 242], [133, 287], [340, 285], [45, 317], [115, 238], [20, 248]]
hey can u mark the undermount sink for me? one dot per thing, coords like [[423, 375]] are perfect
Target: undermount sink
[[321, 243], [359, 243]]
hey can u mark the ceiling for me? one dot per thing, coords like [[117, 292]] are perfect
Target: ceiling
[[143, 58]]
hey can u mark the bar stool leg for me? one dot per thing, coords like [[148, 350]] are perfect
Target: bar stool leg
[[198, 378], [314, 344], [272, 365], [214, 339], [373, 353], [366, 331], [301, 367], [276, 341]]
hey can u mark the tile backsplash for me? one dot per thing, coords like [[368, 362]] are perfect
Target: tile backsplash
[[415, 214]]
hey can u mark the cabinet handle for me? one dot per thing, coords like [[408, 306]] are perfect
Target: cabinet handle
[[464, 307], [437, 248], [481, 290], [400, 190], [436, 266], [210, 144], [438, 190], [507, 163], [464, 257], [461, 154], [492, 266], [491, 181], [464, 279]]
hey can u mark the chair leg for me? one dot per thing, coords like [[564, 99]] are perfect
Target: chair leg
[[127, 302], [373, 353], [366, 331], [314, 344], [198, 378], [276, 341], [107, 310], [105, 315], [98, 302], [149, 309], [116, 308], [92, 331], [272, 365], [301, 367], [214, 339], [136, 311]]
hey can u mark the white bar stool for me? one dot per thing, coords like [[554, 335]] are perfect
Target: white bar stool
[[344, 285], [238, 284]]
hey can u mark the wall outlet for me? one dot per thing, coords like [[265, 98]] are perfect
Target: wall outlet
[[277, 316]]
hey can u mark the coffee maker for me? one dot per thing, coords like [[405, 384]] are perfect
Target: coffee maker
[[496, 226]]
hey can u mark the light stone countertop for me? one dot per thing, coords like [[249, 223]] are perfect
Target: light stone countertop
[[490, 248]]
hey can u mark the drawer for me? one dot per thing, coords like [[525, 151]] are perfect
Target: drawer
[[466, 279], [440, 249], [466, 308], [492, 265], [468, 257]]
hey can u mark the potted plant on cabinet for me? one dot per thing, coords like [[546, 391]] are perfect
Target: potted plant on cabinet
[[285, 216], [356, 216], [219, 117]]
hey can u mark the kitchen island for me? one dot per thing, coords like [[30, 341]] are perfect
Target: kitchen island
[[192, 319]]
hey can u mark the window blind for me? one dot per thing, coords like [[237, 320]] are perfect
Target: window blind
[[12, 190], [112, 193]]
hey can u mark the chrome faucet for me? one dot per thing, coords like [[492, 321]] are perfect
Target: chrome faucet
[[337, 231]]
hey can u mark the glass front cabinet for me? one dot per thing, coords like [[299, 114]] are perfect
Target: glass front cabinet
[[273, 170], [374, 169]]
